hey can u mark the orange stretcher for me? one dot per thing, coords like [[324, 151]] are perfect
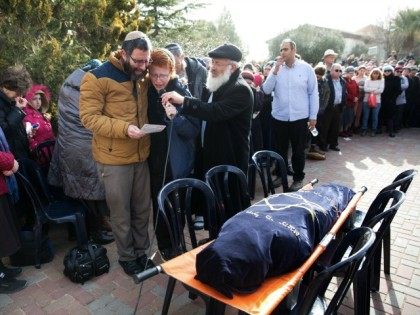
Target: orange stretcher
[[272, 291]]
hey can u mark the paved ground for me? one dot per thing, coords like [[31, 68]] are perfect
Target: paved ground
[[373, 162]]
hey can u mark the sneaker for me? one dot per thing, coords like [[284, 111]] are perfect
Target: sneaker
[[198, 222], [8, 286], [10, 272], [102, 237], [145, 262], [296, 185], [131, 267]]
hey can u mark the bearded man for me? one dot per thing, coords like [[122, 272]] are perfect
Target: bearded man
[[113, 104], [227, 113]]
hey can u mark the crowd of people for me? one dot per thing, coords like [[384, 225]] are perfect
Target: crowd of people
[[205, 112]]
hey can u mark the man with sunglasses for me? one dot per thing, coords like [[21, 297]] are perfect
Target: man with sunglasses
[[328, 134], [113, 104]]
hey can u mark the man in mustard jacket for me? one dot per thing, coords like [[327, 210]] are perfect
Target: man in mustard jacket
[[113, 104]]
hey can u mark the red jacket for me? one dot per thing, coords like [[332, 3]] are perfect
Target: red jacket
[[6, 164], [352, 89], [43, 132]]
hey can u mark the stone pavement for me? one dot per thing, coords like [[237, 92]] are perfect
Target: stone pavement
[[369, 161]]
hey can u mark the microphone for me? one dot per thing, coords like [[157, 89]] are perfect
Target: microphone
[[161, 92]]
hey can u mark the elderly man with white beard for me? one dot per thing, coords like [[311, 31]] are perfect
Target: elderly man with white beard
[[226, 113]]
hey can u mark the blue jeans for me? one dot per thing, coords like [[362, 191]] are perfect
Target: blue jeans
[[374, 112]]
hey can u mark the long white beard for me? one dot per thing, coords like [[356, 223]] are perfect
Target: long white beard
[[214, 83]]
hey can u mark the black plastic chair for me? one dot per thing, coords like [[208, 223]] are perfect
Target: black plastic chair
[[358, 242], [263, 161], [50, 208], [174, 202], [43, 154], [360, 218], [380, 224], [230, 189]]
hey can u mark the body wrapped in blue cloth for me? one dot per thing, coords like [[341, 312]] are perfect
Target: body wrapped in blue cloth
[[272, 237]]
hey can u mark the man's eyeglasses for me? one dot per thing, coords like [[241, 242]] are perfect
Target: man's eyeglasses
[[338, 70], [159, 76], [141, 62]]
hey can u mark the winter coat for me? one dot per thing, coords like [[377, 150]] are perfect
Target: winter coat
[[184, 133], [332, 92], [72, 165], [228, 123], [197, 77], [324, 95], [108, 107], [352, 91], [391, 91], [11, 121], [44, 131]]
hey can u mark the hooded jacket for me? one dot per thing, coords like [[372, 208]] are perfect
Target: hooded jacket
[[108, 106]]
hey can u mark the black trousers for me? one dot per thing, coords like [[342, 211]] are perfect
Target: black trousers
[[328, 133], [295, 133]]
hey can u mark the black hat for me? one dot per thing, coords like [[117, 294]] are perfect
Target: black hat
[[226, 51]]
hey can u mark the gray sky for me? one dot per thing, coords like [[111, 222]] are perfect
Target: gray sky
[[259, 20]]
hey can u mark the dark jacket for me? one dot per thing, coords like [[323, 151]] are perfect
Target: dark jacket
[[72, 165], [324, 95], [184, 133], [391, 91], [228, 123], [332, 92], [197, 77], [11, 121]]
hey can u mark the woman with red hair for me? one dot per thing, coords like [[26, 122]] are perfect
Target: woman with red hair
[[37, 120], [179, 136]]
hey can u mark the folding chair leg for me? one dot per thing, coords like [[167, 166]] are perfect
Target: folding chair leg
[[38, 241], [80, 227], [387, 251], [168, 295]]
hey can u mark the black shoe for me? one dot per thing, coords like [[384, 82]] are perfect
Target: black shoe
[[335, 148], [290, 171], [131, 267], [296, 185], [392, 135], [10, 272], [323, 148], [145, 262], [102, 237], [8, 286], [167, 254], [363, 133], [277, 182]]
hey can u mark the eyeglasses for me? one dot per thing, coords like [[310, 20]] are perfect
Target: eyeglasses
[[156, 76], [141, 62], [338, 70], [388, 71]]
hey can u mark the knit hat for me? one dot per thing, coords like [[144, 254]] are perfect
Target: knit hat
[[226, 51], [388, 68], [247, 75], [349, 69], [45, 95]]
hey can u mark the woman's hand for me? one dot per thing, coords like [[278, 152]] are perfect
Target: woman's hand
[[13, 170], [170, 111]]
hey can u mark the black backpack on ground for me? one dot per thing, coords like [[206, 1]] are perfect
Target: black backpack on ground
[[84, 262]]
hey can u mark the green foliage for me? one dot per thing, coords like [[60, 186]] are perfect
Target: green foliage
[[311, 42], [359, 49], [197, 38], [407, 25]]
